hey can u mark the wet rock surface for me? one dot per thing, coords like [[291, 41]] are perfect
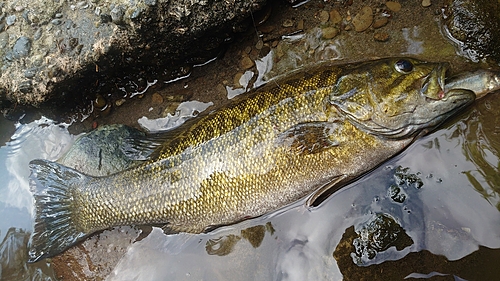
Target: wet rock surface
[[66, 49], [474, 25]]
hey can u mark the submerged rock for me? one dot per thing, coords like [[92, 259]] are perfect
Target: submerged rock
[[474, 25], [76, 45]]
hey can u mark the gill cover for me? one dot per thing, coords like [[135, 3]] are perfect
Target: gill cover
[[396, 98]]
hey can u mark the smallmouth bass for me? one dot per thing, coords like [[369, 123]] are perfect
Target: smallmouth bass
[[268, 149]]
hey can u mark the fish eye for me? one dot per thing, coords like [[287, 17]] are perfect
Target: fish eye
[[404, 66]]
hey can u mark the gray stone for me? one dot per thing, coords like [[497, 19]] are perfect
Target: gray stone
[[56, 21], [76, 43], [21, 48], [10, 20], [30, 72], [117, 14]]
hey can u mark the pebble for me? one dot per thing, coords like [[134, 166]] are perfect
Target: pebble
[[381, 36], [26, 86], [329, 32], [22, 47], [287, 23], [363, 19], [335, 17], [10, 20], [82, 5], [30, 72], [156, 99], [120, 102], [236, 80], [117, 14], [56, 21], [221, 90], [300, 24], [426, 3], [38, 34], [259, 44], [324, 16], [246, 63], [100, 101], [26, 17], [393, 6], [378, 23]]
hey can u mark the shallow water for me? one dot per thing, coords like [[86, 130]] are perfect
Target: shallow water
[[447, 204], [385, 225], [452, 214]]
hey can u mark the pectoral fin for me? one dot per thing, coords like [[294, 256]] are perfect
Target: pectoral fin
[[326, 190], [310, 138]]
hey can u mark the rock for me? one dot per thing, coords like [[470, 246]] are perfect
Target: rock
[[10, 20], [476, 25], [300, 24], [156, 99], [117, 14], [259, 44], [82, 46], [426, 3], [324, 16], [246, 63], [287, 23], [335, 17], [381, 36], [21, 48], [378, 23], [393, 6], [329, 32], [363, 19]]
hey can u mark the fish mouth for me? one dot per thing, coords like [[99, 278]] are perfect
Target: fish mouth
[[433, 85]]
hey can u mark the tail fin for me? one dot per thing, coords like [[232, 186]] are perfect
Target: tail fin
[[52, 186]]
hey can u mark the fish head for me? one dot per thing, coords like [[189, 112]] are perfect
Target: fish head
[[397, 97]]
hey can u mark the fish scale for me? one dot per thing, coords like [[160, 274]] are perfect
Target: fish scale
[[288, 140]]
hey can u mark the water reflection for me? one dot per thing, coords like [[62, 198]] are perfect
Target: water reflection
[[478, 265], [224, 245], [481, 132], [431, 211]]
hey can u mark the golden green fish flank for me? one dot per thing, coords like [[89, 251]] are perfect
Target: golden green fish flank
[[261, 152]]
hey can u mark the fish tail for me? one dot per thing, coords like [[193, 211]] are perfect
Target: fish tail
[[55, 230]]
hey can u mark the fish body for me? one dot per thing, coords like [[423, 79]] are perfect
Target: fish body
[[278, 144]]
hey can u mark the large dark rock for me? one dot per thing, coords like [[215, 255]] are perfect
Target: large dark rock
[[474, 25], [63, 48]]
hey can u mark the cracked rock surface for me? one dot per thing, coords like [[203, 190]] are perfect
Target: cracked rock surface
[[54, 47]]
